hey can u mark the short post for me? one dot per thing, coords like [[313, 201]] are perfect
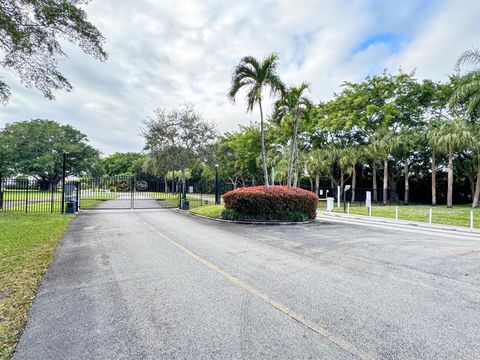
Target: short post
[[348, 209], [471, 220], [430, 217], [369, 211], [345, 198], [396, 213]]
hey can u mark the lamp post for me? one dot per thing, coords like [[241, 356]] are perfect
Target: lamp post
[[347, 187], [217, 186], [64, 173]]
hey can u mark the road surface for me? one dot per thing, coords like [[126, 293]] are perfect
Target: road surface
[[159, 284]]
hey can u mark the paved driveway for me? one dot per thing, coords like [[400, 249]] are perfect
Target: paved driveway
[[164, 285]]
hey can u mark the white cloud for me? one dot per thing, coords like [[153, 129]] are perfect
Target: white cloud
[[166, 53]]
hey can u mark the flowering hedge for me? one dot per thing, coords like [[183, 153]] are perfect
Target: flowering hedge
[[273, 203]]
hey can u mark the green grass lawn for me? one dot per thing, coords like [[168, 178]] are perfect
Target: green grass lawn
[[20, 195], [213, 211], [459, 215], [196, 200], [27, 245]]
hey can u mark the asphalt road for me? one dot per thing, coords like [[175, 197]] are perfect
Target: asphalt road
[[164, 285]]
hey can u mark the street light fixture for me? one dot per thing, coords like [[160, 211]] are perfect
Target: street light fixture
[[64, 174], [217, 186]]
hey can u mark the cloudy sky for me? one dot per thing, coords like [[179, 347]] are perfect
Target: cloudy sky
[[166, 53]]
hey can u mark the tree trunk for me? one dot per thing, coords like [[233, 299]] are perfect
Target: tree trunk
[[476, 195], [407, 185], [385, 181], [450, 180], [342, 181], [374, 181], [295, 170], [434, 179], [354, 183], [292, 154], [264, 152], [317, 182], [184, 184]]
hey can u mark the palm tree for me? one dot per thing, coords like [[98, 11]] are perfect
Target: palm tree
[[353, 156], [405, 141], [468, 92], [314, 163], [452, 136], [256, 76], [292, 105], [380, 146], [476, 159], [432, 135]]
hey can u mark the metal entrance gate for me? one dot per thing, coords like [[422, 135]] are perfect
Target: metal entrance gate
[[128, 192]]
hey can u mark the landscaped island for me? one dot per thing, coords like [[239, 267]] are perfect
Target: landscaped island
[[274, 203]]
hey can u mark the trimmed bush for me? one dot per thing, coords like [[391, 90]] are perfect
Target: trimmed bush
[[281, 203]]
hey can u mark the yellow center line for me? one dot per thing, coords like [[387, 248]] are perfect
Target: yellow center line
[[339, 341]]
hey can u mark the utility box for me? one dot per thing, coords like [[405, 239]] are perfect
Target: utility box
[[330, 203], [70, 209], [185, 204]]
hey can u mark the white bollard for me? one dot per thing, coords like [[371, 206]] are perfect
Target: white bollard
[[348, 208], [430, 217], [369, 211], [471, 220], [396, 213]]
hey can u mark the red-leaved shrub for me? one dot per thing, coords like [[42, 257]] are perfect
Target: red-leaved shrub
[[261, 202]]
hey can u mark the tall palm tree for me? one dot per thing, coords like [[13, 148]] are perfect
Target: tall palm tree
[[432, 135], [476, 159], [256, 76], [292, 105], [453, 136], [314, 163], [381, 146], [353, 156], [469, 92]]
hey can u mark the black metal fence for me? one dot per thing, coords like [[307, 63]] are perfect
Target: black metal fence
[[29, 195], [116, 192]]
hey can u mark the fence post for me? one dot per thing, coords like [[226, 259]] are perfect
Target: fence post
[[52, 198], [396, 213], [26, 199], [64, 171], [1, 193], [430, 217], [471, 220]]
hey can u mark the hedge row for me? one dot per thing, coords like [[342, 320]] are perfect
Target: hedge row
[[272, 203]]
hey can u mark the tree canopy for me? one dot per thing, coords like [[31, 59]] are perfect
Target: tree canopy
[[31, 34], [35, 148]]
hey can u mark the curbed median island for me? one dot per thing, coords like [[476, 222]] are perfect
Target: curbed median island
[[272, 204]]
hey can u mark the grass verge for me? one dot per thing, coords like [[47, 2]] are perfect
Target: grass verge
[[27, 245], [213, 211]]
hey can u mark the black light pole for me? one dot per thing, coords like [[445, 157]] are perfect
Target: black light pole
[[217, 186], [64, 173]]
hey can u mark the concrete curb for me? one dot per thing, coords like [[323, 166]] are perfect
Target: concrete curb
[[246, 222], [399, 223]]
